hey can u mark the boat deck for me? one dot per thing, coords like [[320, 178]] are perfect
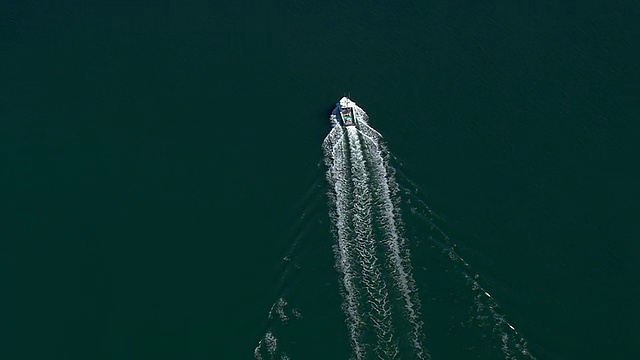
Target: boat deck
[[346, 114]]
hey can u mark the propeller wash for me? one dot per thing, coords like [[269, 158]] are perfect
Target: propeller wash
[[380, 300]]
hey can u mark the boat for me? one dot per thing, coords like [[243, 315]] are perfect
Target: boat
[[345, 108]]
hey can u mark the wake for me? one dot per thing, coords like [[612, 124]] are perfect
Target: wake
[[380, 299], [379, 295]]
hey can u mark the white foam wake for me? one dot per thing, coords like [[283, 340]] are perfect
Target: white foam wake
[[335, 150], [396, 251], [375, 287], [379, 295]]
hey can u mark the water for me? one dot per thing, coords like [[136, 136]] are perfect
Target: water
[[380, 300], [165, 192]]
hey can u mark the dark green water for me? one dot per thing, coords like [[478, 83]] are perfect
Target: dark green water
[[163, 184]]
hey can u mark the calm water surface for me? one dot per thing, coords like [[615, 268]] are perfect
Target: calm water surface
[[164, 191]]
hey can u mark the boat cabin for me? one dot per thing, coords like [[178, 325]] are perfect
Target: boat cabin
[[346, 114]]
